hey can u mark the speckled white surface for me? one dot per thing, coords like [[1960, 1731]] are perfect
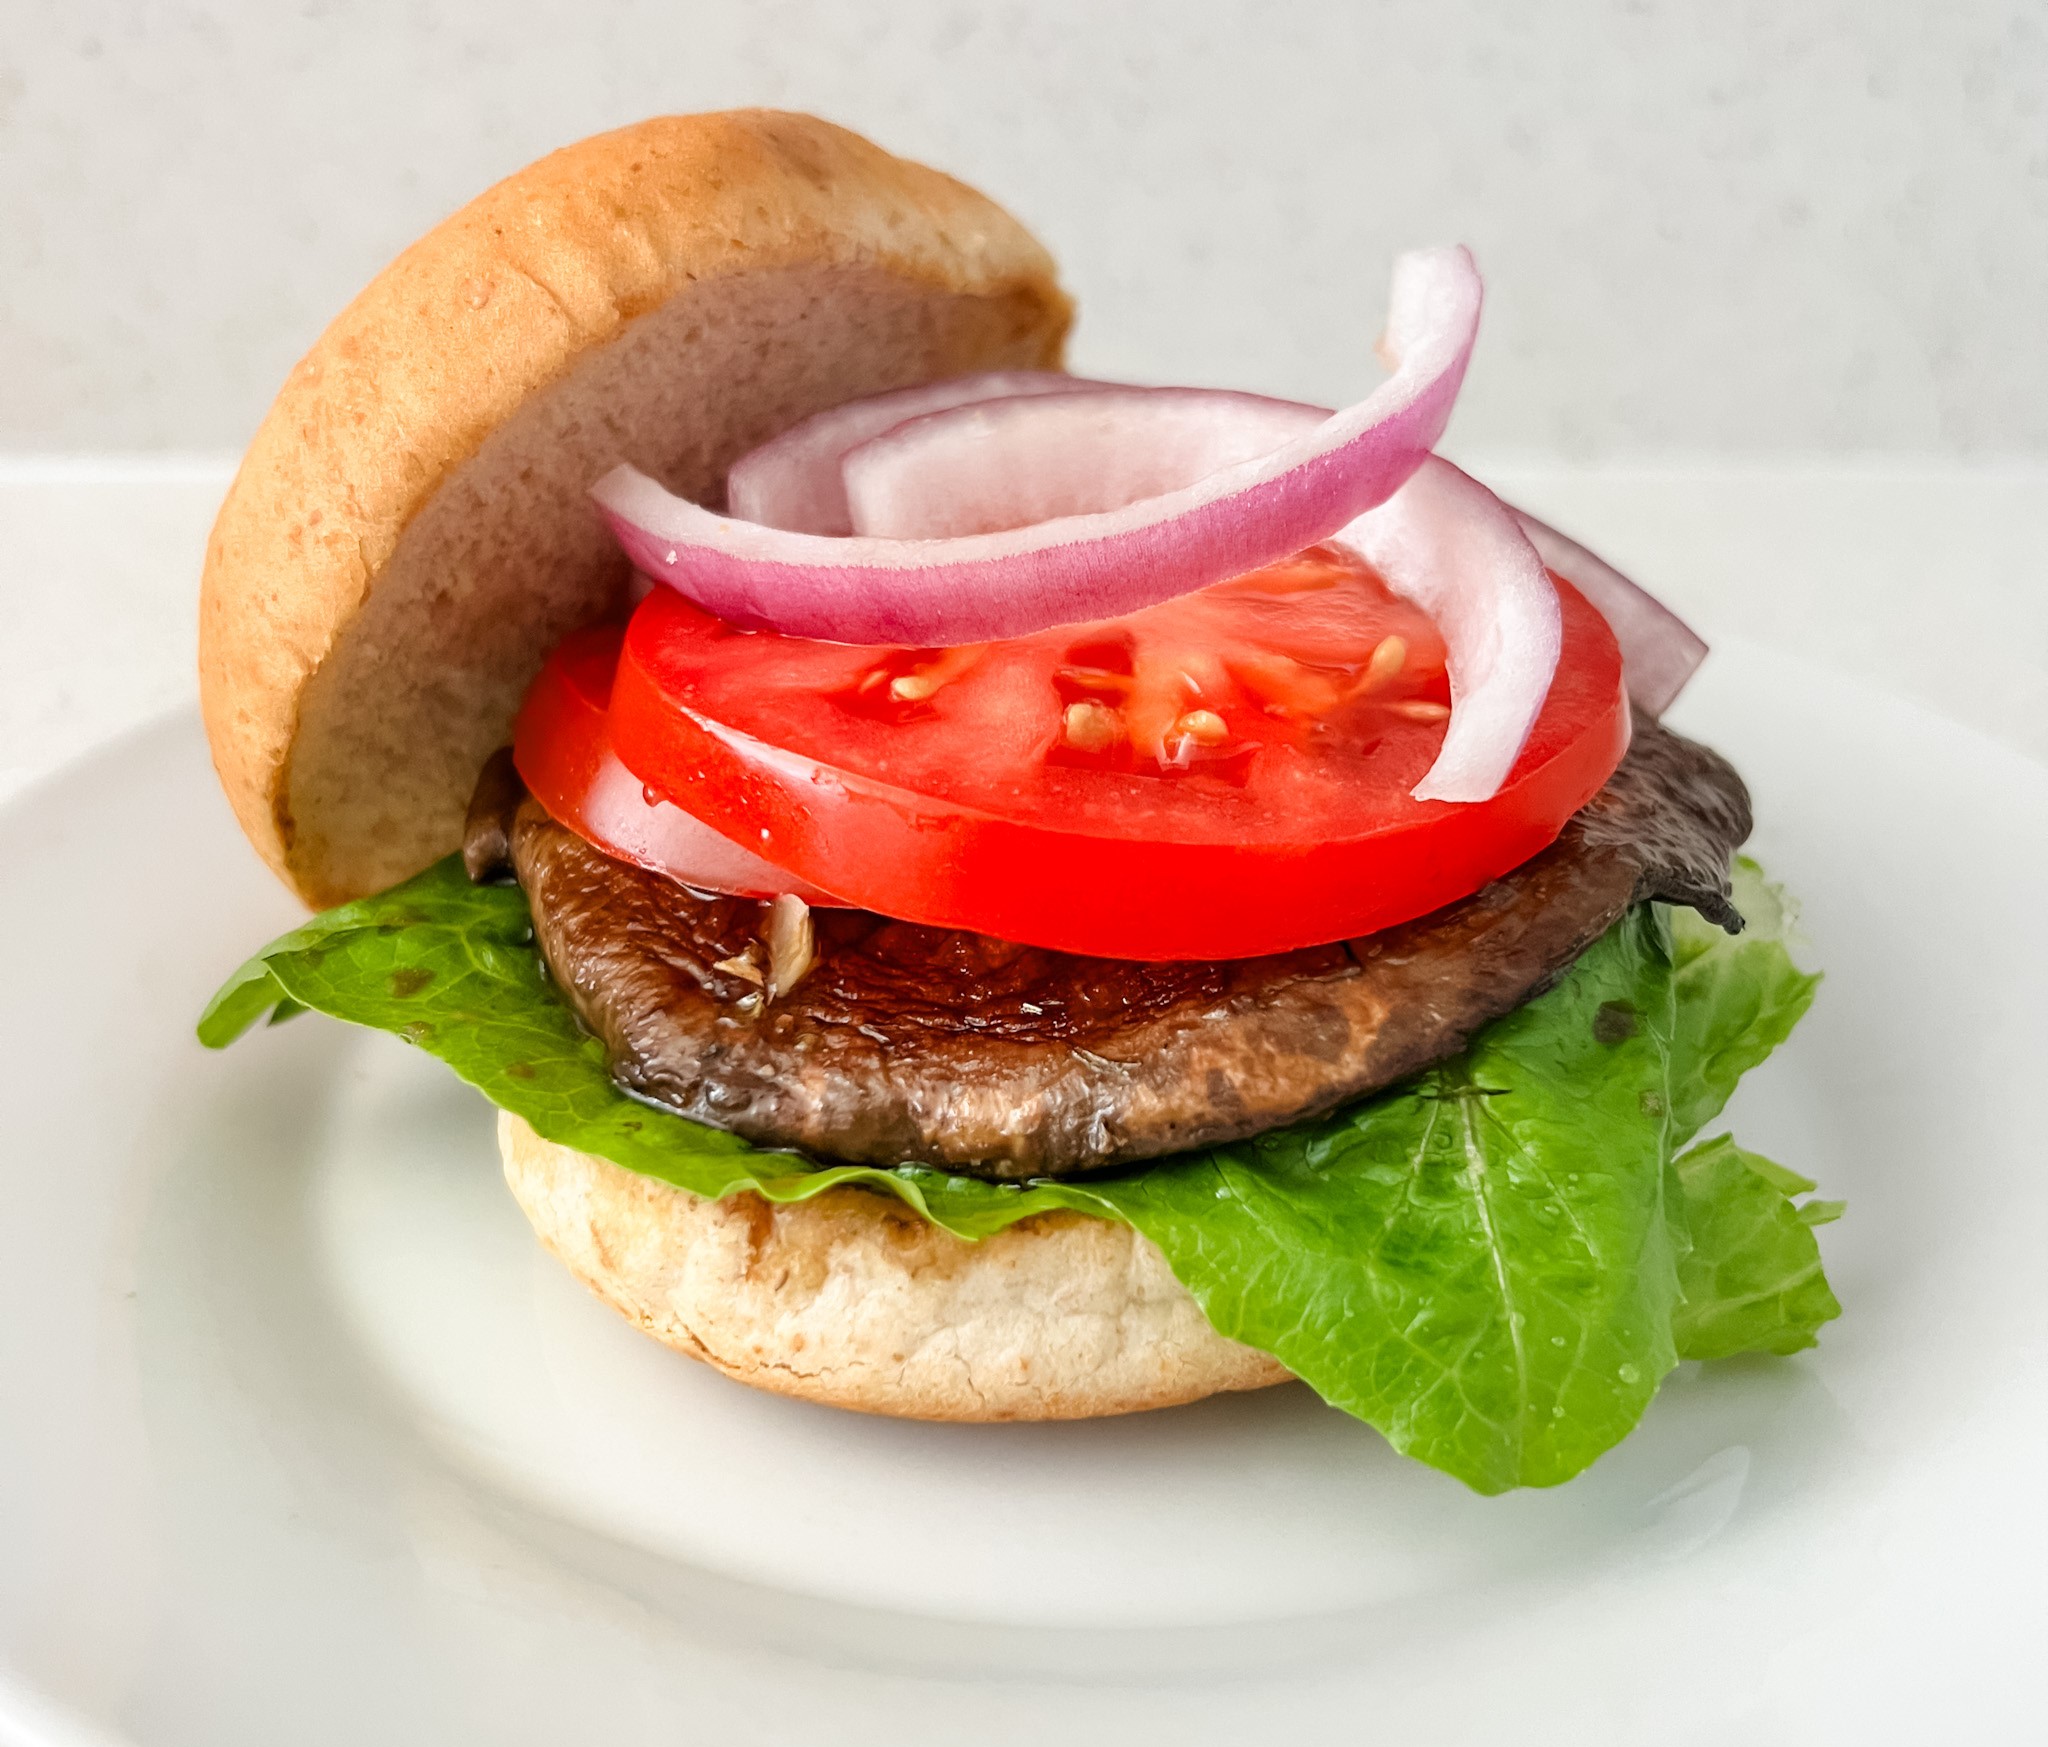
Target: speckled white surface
[[1757, 227]]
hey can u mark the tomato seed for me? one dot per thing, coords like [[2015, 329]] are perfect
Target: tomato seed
[[1388, 658], [1091, 727], [915, 687]]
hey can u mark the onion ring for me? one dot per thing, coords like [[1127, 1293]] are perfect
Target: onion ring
[[998, 464], [1443, 540], [1659, 650], [562, 746], [1073, 569], [793, 481], [1002, 463], [1453, 548]]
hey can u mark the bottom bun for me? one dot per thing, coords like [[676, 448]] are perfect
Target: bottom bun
[[852, 1300]]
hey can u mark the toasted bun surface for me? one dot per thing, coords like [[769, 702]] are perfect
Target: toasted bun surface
[[851, 1300], [409, 532]]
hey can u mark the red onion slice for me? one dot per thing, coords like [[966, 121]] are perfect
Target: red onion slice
[[793, 481], [562, 745], [863, 589], [999, 464], [1456, 550], [1443, 540], [1002, 463], [1659, 650], [984, 464], [618, 813]]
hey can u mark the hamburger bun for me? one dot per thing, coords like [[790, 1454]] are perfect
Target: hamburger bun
[[853, 1300], [409, 535]]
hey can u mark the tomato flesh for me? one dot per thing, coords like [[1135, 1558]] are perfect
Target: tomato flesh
[[562, 747], [1219, 776]]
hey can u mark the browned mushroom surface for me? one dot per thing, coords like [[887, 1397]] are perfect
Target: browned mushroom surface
[[898, 1042]]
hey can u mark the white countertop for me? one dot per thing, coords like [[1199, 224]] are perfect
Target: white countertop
[[1928, 579]]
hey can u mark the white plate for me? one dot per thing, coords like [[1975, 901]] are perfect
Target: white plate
[[301, 1439]]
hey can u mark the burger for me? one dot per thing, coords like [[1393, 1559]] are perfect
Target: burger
[[980, 894]]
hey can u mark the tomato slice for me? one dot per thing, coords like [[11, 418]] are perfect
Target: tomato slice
[[1218, 776], [562, 746]]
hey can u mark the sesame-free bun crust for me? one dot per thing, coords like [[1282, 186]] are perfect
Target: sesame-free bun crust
[[852, 1300], [409, 532]]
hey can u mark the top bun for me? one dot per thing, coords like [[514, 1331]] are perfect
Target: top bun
[[409, 533]]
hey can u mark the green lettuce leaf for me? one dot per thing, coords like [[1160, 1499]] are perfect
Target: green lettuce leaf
[[1752, 1281], [1479, 1264], [1494, 1264], [452, 967], [1738, 997]]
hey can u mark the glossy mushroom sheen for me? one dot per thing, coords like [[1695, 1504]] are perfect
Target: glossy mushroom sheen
[[906, 1043]]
